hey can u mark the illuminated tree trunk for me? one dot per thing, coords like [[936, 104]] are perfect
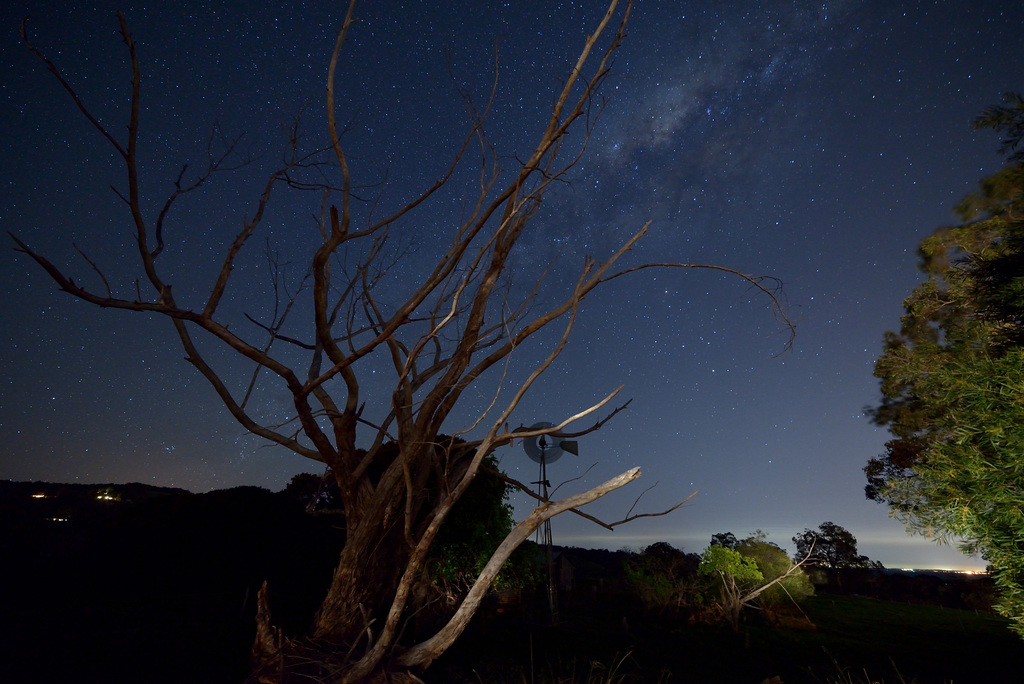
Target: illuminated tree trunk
[[732, 602], [376, 550], [362, 586]]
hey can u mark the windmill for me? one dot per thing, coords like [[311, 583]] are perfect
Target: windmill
[[545, 449]]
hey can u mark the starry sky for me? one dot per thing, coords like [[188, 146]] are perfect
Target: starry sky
[[816, 142]]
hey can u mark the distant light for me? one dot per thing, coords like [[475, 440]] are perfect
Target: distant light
[[39, 496]]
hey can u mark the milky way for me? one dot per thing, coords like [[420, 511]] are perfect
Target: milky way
[[813, 142]]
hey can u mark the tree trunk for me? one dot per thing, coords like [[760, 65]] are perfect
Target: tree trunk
[[732, 604], [363, 585]]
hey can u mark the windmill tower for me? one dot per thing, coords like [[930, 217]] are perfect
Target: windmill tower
[[545, 449]]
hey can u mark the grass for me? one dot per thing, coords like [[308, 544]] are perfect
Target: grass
[[619, 670], [914, 643], [856, 641]]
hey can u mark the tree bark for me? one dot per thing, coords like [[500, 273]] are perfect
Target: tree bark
[[361, 588], [369, 567]]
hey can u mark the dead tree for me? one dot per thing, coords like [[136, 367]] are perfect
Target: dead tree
[[454, 325]]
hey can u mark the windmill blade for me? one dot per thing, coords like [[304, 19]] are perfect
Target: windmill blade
[[570, 445]]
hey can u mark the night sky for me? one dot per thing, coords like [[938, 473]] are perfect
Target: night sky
[[817, 142]]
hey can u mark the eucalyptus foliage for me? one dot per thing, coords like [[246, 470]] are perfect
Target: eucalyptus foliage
[[774, 564], [953, 380], [719, 560], [756, 572]]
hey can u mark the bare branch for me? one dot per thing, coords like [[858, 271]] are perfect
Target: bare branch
[[569, 481], [631, 518], [92, 264], [71, 91], [756, 281], [213, 165], [424, 653], [606, 525]]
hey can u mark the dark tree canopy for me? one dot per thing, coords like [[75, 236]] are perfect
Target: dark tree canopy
[[895, 465], [662, 576], [726, 539], [1006, 118], [831, 546], [318, 493]]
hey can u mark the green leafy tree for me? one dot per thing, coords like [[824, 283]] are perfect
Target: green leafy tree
[[737, 578], [953, 379], [775, 564], [1008, 119], [755, 571], [479, 522]]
